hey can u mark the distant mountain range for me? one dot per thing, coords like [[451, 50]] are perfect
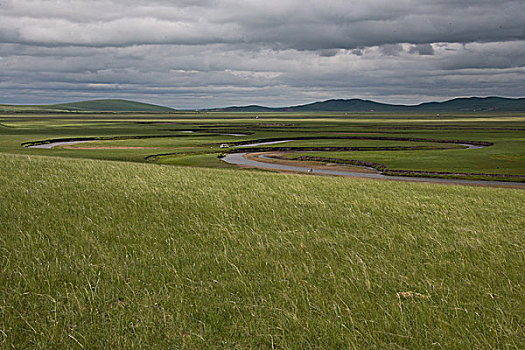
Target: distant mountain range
[[471, 104]]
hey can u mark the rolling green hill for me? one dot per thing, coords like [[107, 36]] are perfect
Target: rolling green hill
[[471, 104], [352, 105], [251, 108], [475, 104], [106, 105]]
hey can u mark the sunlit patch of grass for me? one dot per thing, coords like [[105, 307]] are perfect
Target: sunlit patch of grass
[[119, 255]]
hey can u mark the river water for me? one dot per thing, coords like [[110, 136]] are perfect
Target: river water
[[240, 159]]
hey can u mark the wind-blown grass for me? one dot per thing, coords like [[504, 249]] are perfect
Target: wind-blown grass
[[106, 254]]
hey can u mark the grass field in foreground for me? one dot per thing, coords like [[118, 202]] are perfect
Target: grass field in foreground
[[120, 255]]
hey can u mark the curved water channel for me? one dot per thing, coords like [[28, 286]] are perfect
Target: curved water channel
[[240, 159], [59, 143]]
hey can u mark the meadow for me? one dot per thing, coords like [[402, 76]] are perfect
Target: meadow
[[109, 254], [108, 247], [396, 141]]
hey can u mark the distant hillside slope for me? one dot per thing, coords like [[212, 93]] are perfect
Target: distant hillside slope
[[353, 105], [476, 104], [107, 105], [470, 104], [251, 108], [112, 105]]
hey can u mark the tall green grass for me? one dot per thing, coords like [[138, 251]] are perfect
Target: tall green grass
[[98, 254]]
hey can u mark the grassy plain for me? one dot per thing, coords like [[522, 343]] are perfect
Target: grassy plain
[[119, 255], [112, 254], [209, 130]]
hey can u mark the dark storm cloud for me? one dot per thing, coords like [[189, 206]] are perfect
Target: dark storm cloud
[[278, 24], [211, 52]]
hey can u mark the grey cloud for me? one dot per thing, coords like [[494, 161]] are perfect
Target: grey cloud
[[191, 54], [328, 52], [279, 24], [391, 49], [492, 55], [422, 49]]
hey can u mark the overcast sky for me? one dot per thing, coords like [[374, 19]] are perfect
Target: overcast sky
[[214, 53]]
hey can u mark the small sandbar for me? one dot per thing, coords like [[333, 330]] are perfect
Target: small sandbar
[[111, 147], [274, 158], [59, 143]]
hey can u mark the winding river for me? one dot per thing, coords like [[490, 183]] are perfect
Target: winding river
[[240, 159]]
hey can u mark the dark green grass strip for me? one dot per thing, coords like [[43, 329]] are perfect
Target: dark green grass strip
[[413, 173]]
